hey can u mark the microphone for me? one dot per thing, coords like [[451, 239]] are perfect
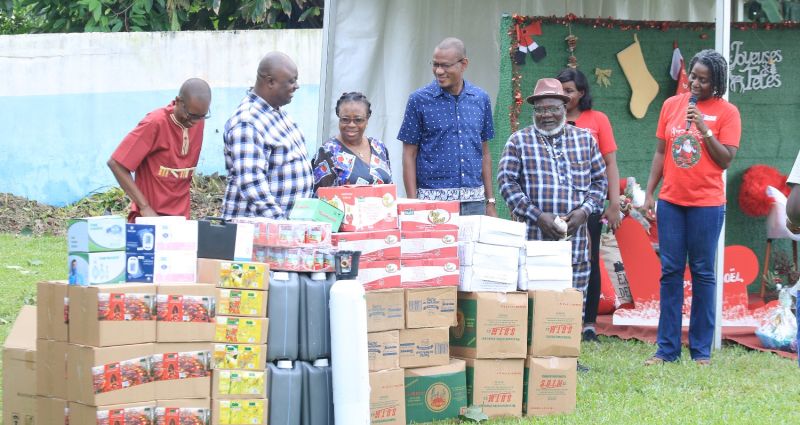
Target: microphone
[[692, 102]]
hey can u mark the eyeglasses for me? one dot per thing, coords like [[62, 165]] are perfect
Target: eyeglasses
[[541, 110], [195, 117], [445, 66], [356, 120]]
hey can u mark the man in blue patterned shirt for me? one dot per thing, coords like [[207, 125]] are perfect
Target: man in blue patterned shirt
[[265, 151], [552, 171], [445, 134]]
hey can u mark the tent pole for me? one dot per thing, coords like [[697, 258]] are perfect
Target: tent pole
[[326, 66]]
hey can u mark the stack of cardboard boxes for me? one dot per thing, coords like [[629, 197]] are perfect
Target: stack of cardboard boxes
[[19, 371]]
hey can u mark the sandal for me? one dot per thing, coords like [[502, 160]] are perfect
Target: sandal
[[654, 361], [703, 362]]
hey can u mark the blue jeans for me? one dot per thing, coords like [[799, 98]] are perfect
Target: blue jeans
[[691, 232], [473, 208], [797, 312]]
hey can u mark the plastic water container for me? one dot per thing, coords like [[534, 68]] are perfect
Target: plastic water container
[[284, 315], [350, 361], [317, 398], [315, 327], [285, 393]]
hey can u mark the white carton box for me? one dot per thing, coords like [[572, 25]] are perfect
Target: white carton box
[[489, 256], [93, 268], [243, 249], [96, 234], [479, 279], [173, 233], [546, 265], [490, 230], [175, 267]]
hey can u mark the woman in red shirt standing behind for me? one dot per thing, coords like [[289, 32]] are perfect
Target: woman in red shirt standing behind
[[581, 114], [698, 136]]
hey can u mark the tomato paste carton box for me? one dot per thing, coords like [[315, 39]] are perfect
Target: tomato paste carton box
[[112, 414], [96, 234], [379, 274], [430, 307], [550, 386], [181, 370], [107, 315], [52, 313], [240, 411], [365, 207], [387, 397], [374, 246], [110, 375], [183, 411], [429, 272], [418, 214], [495, 385], [416, 245], [185, 312]]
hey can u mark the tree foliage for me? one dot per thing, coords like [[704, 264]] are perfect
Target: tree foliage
[[156, 15]]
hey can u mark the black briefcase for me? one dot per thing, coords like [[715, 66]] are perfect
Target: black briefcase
[[216, 238]]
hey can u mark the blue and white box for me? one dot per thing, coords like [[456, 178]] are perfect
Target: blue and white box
[[139, 267], [140, 238], [93, 268], [96, 234]]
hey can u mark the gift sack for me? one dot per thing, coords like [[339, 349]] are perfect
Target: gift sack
[[615, 270]]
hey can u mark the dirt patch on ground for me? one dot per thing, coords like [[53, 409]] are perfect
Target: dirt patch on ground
[[22, 216]]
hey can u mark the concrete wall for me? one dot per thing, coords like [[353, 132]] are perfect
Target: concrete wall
[[66, 100]]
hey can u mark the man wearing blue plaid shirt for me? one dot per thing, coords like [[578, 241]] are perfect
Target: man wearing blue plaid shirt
[[265, 151], [552, 171]]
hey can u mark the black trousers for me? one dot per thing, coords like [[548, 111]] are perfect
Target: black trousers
[[593, 290]]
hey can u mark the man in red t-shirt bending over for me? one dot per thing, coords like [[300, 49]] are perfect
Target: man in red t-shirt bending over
[[163, 151]]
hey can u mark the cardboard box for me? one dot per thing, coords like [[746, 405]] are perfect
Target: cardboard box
[[385, 310], [429, 272], [172, 233], [112, 414], [94, 268], [102, 316], [492, 231], [240, 412], [183, 411], [239, 356], [484, 279], [139, 267], [495, 386], [554, 323], [185, 312], [436, 393], [550, 386], [379, 274], [547, 266], [365, 207], [51, 368], [140, 238], [383, 349], [496, 257], [241, 330], [19, 368], [312, 209], [96, 234], [374, 246], [52, 313], [181, 370], [175, 267], [233, 274], [242, 302], [491, 326], [48, 411], [110, 375], [428, 244], [387, 397], [424, 347], [239, 384], [418, 214], [430, 307]]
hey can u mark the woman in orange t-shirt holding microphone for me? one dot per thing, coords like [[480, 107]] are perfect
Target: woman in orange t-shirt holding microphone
[[698, 136]]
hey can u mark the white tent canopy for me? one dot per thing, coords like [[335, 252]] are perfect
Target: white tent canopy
[[382, 48]]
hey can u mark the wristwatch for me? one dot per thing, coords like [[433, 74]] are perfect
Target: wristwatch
[[491, 201], [708, 133]]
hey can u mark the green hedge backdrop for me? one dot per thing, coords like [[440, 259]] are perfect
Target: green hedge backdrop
[[770, 117]]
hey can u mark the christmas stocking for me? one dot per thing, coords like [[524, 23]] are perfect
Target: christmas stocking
[[644, 87]]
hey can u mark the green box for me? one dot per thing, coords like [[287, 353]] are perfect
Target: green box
[[96, 234], [313, 209], [436, 393]]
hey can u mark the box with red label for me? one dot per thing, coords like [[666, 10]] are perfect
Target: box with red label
[[194, 411], [495, 385], [108, 315], [549, 386], [242, 384], [365, 207], [387, 397], [295, 259], [181, 370], [374, 246], [554, 323], [418, 214], [241, 330], [233, 274], [52, 313], [379, 274], [112, 414], [185, 312], [110, 375], [242, 302], [429, 244], [430, 272]]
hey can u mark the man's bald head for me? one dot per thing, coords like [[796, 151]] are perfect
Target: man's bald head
[[277, 79], [195, 89], [452, 43], [272, 62]]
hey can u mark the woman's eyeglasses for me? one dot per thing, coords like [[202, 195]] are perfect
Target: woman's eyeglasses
[[348, 120]]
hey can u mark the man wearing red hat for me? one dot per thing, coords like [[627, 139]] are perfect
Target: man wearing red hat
[[552, 175]]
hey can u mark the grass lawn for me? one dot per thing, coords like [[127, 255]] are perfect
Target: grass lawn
[[740, 387]]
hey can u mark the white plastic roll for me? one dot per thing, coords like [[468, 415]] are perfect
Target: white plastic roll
[[349, 359]]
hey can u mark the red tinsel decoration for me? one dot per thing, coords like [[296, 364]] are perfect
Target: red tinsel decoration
[[753, 199]]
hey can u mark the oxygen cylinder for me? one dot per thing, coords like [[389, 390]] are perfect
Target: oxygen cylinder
[[349, 353]]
